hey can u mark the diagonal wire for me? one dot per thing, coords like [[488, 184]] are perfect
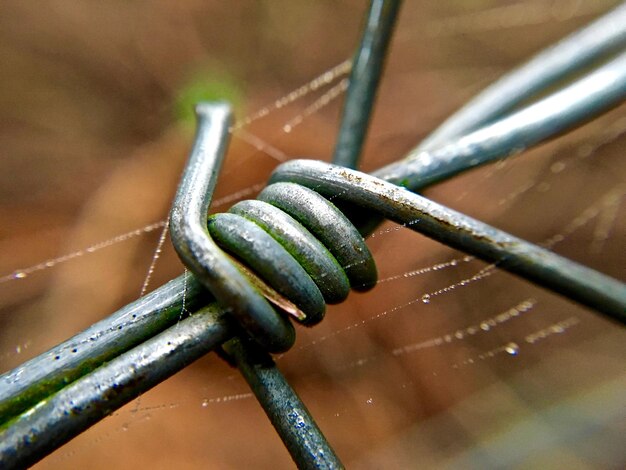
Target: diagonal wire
[[601, 37]]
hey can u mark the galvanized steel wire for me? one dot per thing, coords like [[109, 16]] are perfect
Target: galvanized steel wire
[[71, 387]]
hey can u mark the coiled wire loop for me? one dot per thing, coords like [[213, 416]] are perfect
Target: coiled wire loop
[[302, 251]]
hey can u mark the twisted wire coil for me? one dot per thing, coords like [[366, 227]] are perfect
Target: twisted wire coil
[[304, 250], [300, 244]]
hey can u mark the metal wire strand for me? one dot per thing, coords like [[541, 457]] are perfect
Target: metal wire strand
[[198, 239], [47, 373], [197, 250], [366, 71], [290, 417], [44, 375], [559, 112], [545, 268], [605, 35], [79, 405], [41, 377]]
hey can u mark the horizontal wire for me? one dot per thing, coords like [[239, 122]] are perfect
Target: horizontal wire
[[76, 407], [540, 266]]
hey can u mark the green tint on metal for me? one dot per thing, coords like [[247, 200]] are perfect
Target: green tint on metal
[[73, 409], [314, 257], [266, 257], [31, 382], [545, 268], [59, 394], [330, 227]]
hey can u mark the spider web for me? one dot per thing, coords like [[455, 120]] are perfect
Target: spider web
[[448, 361]]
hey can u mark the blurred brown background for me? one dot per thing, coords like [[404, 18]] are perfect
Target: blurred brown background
[[95, 124]]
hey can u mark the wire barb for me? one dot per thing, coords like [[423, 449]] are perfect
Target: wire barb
[[134, 347], [198, 239]]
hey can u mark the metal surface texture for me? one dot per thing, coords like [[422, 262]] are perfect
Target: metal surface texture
[[265, 253], [135, 348], [543, 267], [323, 268], [196, 248], [605, 35], [290, 417], [572, 106], [366, 71], [44, 375], [75, 408], [328, 225]]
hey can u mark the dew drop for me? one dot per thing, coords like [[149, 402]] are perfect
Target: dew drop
[[19, 275], [287, 128], [426, 298], [370, 401], [205, 403], [512, 349]]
